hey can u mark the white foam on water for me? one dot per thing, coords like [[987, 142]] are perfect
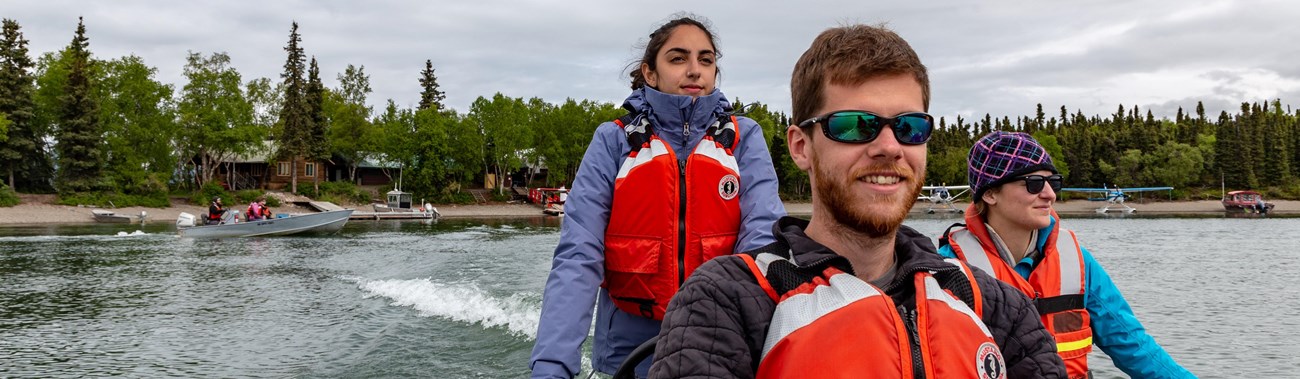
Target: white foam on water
[[71, 238], [463, 302]]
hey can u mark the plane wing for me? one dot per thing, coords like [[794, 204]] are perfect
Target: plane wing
[[1109, 190], [930, 188], [1079, 189], [1143, 189]]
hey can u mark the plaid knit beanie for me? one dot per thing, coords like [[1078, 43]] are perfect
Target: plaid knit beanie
[[1000, 157]]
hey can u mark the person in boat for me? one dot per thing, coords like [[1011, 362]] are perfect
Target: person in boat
[[215, 211], [1012, 232], [636, 224], [851, 292], [266, 211], [255, 209]]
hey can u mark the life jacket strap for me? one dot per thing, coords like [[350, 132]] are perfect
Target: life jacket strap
[[721, 134], [943, 238], [639, 130], [1056, 304]]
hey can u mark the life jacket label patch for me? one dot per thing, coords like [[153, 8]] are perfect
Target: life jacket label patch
[[989, 363], [728, 187]]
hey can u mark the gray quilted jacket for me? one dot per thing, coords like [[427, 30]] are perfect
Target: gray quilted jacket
[[716, 324]]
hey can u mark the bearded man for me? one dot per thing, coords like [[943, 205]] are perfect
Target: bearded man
[[851, 292]]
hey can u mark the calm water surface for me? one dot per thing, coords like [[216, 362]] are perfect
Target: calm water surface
[[460, 298]]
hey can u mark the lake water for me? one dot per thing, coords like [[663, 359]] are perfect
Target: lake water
[[460, 298]]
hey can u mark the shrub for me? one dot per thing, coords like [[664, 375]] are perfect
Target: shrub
[[336, 192], [8, 197], [454, 198], [209, 191], [248, 196], [501, 197], [115, 199]]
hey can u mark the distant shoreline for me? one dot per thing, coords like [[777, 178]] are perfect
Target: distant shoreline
[[44, 213]]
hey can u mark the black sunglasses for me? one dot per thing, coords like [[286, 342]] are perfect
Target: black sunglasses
[[863, 127], [1034, 183]]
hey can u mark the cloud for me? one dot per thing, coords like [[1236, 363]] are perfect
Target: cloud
[[997, 57]]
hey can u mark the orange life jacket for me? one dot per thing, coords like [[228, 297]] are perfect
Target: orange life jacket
[[668, 219], [1057, 285], [833, 316]]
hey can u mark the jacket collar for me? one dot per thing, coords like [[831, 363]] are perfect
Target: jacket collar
[[669, 112], [915, 251]]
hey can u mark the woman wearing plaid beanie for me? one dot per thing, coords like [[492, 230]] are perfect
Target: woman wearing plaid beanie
[[1012, 232]]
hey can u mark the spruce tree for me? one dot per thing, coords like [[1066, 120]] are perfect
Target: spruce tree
[[80, 136], [318, 147], [22, 149], [430, 96], [294, 117]]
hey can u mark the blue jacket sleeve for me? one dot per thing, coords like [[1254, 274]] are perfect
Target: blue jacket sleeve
[[579, 264], [1117, 331], [946, 251], [760, 206]]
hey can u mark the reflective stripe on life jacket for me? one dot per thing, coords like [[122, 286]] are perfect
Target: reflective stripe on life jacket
[[669, 217], [1056, 284], [829, 323]]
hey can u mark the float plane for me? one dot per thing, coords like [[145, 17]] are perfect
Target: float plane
[[1113, 196], [942, 197]]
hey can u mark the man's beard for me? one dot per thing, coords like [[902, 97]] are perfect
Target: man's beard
[[870, 214]]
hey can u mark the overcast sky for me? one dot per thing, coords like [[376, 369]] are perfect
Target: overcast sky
[[997, 57]]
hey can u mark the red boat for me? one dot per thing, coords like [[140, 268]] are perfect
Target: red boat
[[1246, 201], [551, 199]]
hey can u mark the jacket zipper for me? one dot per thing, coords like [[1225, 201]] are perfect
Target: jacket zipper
[[918, 361], [909, 322], [681, 223], [681, 187]]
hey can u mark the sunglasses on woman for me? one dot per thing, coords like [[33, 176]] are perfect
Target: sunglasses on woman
[[1034, 183], [863, 127]]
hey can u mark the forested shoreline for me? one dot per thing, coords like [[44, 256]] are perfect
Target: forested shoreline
[[91, 129]]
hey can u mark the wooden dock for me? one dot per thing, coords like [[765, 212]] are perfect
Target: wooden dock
[[392, 215], [325, 206]]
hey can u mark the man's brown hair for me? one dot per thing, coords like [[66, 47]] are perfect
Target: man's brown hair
[[850, 55]]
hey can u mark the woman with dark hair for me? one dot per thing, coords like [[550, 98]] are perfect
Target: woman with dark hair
[[675, 182], [216, 211]]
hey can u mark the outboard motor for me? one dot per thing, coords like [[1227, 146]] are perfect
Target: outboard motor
[[185, 220]]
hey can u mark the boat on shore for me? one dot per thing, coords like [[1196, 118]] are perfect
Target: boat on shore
[[1246, 202], [110, 217], [550, 199], [323, 222], [399, 206]]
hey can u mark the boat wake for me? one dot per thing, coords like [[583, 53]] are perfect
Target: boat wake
[[463, 302], [75, 238]]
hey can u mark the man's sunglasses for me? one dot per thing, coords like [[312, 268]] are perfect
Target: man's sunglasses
[[1034, 183], [863, 127]]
